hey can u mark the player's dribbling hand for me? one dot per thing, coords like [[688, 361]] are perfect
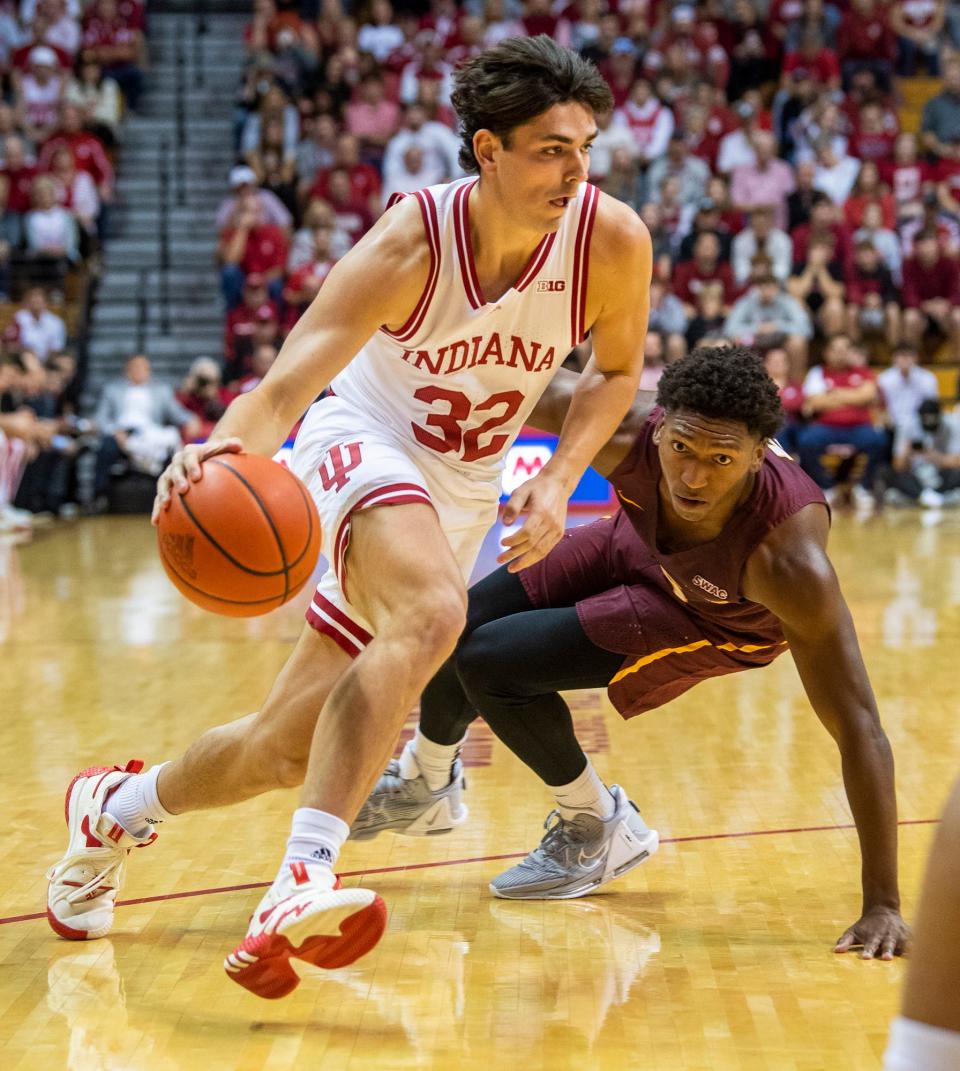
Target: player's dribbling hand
[[880, 931], [544, 500], [185, 467]]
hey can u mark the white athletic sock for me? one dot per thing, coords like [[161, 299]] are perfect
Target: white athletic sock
[[916, 1046], [434, 761], [136, 805], [315, 837], [587, 795]]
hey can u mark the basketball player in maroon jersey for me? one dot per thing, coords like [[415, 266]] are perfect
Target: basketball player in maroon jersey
[[715, 563], [437, 334]]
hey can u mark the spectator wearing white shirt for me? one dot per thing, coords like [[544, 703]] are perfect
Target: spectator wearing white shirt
[[761, 237], [429, 64], [39, 330], [610, 137], [63, 29], [835, 174], [379, 36], [272, 209], [50, 230], [76, 190], [905, 387], [648, 119], [438, 143], [690, 171], [736, 148]]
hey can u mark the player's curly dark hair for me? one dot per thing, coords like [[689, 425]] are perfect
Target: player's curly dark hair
[[726, 384], [516, 81]]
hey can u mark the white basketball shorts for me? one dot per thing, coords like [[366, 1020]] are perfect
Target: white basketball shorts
[[349, 462]]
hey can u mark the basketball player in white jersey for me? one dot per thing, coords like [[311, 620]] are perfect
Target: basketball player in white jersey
[[437, 333]]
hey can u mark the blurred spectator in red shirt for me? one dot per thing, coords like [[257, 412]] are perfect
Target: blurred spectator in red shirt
[[249, 245], [620, 70], [352, 215], [706, 267], [873, 306], [203, 394], [918, 25], [240, 319], [261, 361], [867, 190], [16, 187], [363, 179], [823, 224], [117, 45], [839, 399], [909, 174], [812, 56], [303, 283], [85, 148], [931, 293], [873, 138], [76, 192], [865, 39]]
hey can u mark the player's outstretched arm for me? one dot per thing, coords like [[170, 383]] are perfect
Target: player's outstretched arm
[[618, 299], [378, 282], [792, 576], [551, 411]]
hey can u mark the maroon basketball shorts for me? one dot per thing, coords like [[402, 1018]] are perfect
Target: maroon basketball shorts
[[618, 589]]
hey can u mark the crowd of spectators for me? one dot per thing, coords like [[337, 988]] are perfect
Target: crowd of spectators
[[760, 142], [69, 71]]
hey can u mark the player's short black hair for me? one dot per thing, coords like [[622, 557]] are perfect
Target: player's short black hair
[[728, 383], [517, 80]]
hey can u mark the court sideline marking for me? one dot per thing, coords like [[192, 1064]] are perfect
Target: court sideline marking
[[463, 862]]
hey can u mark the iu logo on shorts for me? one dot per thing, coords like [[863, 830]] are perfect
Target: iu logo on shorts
[[335, 468]]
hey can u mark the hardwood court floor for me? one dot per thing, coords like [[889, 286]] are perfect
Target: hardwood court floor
[[716, 954]]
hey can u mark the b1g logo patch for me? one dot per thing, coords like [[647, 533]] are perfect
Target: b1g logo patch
[[551, 286]]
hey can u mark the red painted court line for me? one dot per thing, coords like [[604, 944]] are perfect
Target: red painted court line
[[463, 862]]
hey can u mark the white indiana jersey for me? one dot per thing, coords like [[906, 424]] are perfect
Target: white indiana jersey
[[461, 376]]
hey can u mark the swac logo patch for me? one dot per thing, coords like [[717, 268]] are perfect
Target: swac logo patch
[[710, 587], [553, 286]]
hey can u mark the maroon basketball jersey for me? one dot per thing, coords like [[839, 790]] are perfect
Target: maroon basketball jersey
[[707, 578]]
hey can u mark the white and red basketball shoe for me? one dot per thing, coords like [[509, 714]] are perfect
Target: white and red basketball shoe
[[84, 884], [305, 914]]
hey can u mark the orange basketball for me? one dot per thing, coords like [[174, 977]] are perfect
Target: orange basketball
[[242, 540]]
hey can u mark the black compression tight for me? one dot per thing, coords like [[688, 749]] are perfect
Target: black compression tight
[[509, 665]]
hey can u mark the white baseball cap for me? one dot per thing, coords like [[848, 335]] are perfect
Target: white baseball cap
[[241, 175], [43, 56]]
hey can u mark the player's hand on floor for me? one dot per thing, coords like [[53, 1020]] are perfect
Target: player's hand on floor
[[880, 932], [185, 467], [544, 500]]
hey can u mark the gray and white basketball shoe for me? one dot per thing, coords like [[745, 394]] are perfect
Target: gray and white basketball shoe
[[578, 855], [407, 805]]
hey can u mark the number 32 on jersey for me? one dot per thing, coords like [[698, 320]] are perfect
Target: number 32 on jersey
[[451, 414]]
